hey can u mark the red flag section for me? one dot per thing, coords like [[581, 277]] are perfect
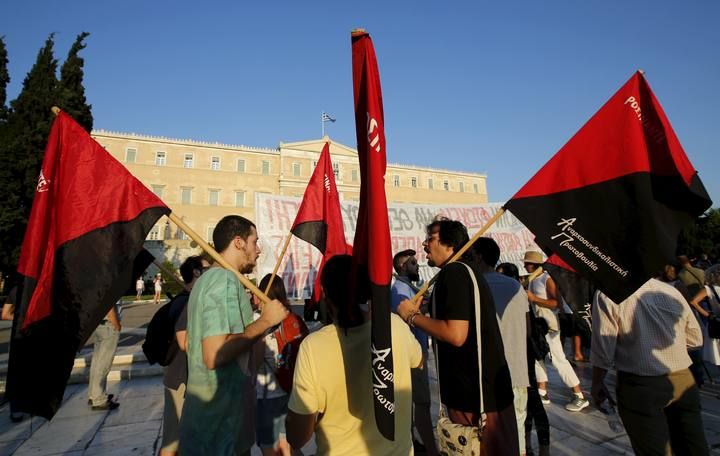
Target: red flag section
[[612, 202], [87, 226], [319, 220], [372, 253]]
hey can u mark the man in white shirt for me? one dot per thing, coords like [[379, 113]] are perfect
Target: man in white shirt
[[645, 338]]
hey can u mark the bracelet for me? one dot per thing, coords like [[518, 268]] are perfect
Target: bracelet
[[411, 319]]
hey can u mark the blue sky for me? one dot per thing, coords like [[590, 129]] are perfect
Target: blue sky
[[492, 87]]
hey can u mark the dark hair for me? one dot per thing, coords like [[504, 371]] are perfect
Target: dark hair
[[229, 227], [488, 251], [335, 279], [509, 270], [450, 233], [190, 264], [399, 257], [277, 289]]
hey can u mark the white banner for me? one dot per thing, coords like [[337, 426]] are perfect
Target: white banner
[[274, 216]]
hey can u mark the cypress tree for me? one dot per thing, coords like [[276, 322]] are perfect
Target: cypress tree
[[71, 91], [26, 133], [4, 80]]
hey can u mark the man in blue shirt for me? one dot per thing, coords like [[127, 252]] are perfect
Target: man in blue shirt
[[408, 271]]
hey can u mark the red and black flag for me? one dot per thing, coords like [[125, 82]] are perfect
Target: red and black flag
[[87, 226], [319, 220], [613, 200], [372, 254]]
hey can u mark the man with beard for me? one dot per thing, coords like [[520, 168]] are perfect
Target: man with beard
[[453, 327], [216, 418], [407, 270]]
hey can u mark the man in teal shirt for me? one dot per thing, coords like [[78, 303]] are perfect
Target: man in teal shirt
[[221, 334]]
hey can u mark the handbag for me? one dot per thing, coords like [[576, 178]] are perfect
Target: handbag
[[538, 344], [458, 439]]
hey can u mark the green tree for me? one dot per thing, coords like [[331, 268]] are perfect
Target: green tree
[[703, 236], [71, 92], [4, 81], [25, 137]]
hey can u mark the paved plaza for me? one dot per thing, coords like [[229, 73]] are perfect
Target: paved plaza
[[135, 427]]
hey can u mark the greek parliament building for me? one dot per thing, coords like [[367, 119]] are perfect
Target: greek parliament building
[[203, 182]]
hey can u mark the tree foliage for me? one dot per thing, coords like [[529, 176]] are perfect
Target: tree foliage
[[703, 236], [4, 81], [24, 138], [71, 92]]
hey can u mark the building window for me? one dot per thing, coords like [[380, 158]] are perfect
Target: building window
[[239, 199], [296, 169], [154, 233], [158, 190], [213, 197], [241, 166], [336, 171], [180, 234], [214, 163], [446, 186], [430, 183], [160, 158], [475, 188], [396, 180], [413, 182], [188, 162], [186, 195], [210, 231], [265, 167], [461, 186], [130, 155], [354, 175]]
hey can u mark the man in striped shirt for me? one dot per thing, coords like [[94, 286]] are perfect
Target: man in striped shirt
[[645, 338]]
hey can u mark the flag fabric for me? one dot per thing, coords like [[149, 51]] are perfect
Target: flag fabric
[[326, 117], [613, 200], [319, 220], [82, 247], [372, 254], [577, 291]]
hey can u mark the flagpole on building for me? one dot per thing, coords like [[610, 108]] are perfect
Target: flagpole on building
[[464, 249], [216, 256], [322, 124], [277, 263]]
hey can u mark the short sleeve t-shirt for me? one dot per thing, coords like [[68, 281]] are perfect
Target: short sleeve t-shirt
[[399, 291], [333, 378], [453, 298], [512, 305], [214, 419]]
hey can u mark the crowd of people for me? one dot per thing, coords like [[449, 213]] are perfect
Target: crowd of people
[[249, 372], [493, 338]]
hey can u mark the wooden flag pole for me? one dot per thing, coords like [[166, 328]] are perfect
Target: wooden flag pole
[[277, 263], [464, 248], [216, 256]]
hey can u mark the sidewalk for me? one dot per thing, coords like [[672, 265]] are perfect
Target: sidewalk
[[135, 427]]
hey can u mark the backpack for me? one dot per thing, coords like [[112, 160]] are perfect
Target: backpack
[[289, 335], [537, 344], [160, 344]]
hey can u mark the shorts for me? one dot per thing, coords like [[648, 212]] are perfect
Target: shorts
[[420, 386], [270, 420], [171, 417]]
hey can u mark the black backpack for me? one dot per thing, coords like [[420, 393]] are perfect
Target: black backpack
[[160, 344]]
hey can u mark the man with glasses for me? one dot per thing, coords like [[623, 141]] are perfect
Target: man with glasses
[[407, 271], [453, 328]]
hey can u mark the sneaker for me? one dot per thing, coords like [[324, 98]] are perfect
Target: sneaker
[[545, 399], [109, 398], [578, 403], [109, 405]]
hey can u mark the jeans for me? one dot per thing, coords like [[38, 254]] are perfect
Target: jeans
[[106, 341]]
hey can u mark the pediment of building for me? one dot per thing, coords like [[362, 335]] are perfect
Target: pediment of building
[[316, 146]]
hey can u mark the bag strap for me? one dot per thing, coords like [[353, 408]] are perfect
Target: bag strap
[[717, 298], [476, 298]]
